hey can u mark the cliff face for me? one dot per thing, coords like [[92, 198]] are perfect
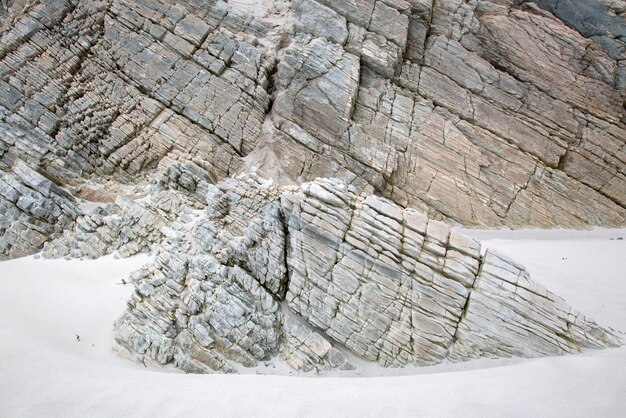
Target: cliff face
[[127, 125], [484, 113]]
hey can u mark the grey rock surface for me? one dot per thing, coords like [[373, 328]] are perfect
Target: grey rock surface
[[397, 288], [454, 115], [509, 315], [599, 20], [130, 226], [360, 273], [205, 303], [439, 106], [320, 21], [138, 125], [32, 209], [305, 349], [126, 226]]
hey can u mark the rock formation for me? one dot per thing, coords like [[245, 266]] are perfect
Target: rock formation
[[133, 125], [360, 272], [485, 113]]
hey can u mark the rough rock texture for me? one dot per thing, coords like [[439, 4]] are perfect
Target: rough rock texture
[[304, 349], [371, 275], [195, 305], [360, 272], [127, 227], [452, 114], [397, 288], [600, 20], [509, 315], [32, 208], [209, 301], [130, 226], [482, 113], [485, 113], [122, 84], [108, 89]]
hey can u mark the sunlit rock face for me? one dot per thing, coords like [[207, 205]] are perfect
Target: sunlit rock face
[[296, 168]]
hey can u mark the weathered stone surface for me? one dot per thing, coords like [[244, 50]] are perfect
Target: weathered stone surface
[[364, 274], [318, 20], [138, 80], [32, 209], [191, 309], [507, 314], [126, 227], [435, 105], [247, 227], [318, 94], [600, 20], [130, 226], [484, 113], [305, 350], [205, 302], [470, 126], [397, 288]]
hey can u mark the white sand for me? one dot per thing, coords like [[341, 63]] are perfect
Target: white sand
[[44, 371]]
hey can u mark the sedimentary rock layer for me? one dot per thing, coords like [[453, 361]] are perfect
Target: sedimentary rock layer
[[124, 122], [32, 208], [397, 288], [357, 272], [484, 113]]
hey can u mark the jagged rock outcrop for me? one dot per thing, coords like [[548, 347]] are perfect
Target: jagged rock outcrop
[[131, 226], [482, 113], [360, 272], [127, 227], [469, 125], [305, 349], [397, 288], [191, 309], [371, 275], [210, 300], [507, 314], [195, 305], [132, 82], [602, 21], [485, 113]]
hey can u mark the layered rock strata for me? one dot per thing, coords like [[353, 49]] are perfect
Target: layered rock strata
[[32, 208], [304, 349], [196, 305], [482, 113], [485, 113], [397, 288], [357, 272], [210, 300], [460, 120], [130, 226]]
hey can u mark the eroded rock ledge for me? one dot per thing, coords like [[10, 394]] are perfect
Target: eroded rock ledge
[[355, 272]]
